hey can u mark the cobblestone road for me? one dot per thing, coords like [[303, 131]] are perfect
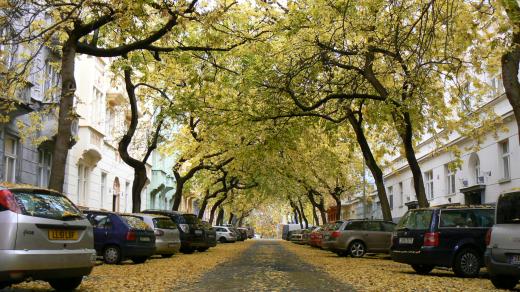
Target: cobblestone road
[[266, 266]]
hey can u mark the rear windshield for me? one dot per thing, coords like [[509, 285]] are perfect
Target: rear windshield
[[164, 223], [336, 225], [135, 222], [190, 218], [416, 220], [508, 209], [47, 205]]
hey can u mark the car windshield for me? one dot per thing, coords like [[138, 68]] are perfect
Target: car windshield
[[135, 222], [47, 205], [508, 209], [416, 220], [190, 218], [164, 223]]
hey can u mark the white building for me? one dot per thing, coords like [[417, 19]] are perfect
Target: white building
[[485, 173], [96, 177]]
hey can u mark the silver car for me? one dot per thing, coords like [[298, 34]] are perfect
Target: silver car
[[502, 256], [167, 238], [44, 237], [225, 234], [356, 237]]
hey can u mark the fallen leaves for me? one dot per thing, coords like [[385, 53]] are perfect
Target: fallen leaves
[[380, 273], [156, 274]]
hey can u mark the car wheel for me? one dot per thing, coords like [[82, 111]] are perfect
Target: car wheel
[[168, 255], [357, 249], [65, 284], [504, 282], [222, 240], [139, 260], [202, 249], [112, 255], [3, 285], [423, 269], [467, 263]]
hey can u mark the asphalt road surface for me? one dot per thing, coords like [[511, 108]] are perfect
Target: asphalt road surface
[[266, 266]]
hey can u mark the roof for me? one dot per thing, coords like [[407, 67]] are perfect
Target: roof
[[149, 215]]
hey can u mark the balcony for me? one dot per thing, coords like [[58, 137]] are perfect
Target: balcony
[[116, 94]]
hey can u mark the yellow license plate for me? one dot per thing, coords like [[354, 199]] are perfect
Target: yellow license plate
[[63, 234]]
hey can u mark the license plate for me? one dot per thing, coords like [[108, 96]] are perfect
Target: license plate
[[406, 240], [57, 234], [198, 232], [514, 259], [144, 238]]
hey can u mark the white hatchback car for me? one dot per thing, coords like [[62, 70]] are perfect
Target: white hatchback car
[[168, 241], [44, 237], [225, 234]]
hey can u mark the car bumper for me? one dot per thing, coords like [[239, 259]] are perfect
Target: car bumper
[[423, 256], [167, 247], [45, 264], [499, 268], [138, 251], [329, 245]]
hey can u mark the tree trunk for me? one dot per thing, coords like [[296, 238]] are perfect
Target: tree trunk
[[138, 184], [320, 205], [220, 216], [66, 116], [371, 163], [240, 221], [407, 136], [179, 186], [214, 208], [337, 200], [203, 205], [231, 216], [511, 59], [303, 214], [315, 216]]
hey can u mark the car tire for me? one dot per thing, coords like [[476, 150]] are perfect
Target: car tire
[[3, 285], [168, 255], [139, 260], [112, 255], [202, 249], [504, 282], [357, 249], [66, 284], [222, 239], [467, 263], [422, 269]]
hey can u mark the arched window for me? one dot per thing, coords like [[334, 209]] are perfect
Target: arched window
[[474, 168]]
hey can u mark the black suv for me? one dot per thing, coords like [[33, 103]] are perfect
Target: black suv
[[449, 236], [192, 232]]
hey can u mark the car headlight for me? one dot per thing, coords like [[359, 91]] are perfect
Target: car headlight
[[185, 228]]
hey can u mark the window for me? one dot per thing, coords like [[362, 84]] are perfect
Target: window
[[505, 159], [98, 107], [356, 225], [391, 197], [389, 227], [450, 179], [373, 226], [51, 83], [507, 209], [10, 157], [83, 183], [457, 219], [103, 188], [416, 220], [46, 205], [8, 51], [401, 194], [44, 168], [428, 183]]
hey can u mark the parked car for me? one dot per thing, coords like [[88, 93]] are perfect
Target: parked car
[[121, 236], [449, 236], [250, 232], [167, 238], [357, 237], [243, 233], [225, 234], [307, 235], [211, 234], [315, 237], [502, 256], [297, 236], [44, 237], [190, 228]]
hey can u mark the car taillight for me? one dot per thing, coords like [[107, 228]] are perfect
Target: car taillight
[[8, 201], [158, 233], [431, 239], [488, 236], [335, 234], [130, 235]]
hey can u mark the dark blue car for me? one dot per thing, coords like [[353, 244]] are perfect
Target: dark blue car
[[450, 236], [119, 236]]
